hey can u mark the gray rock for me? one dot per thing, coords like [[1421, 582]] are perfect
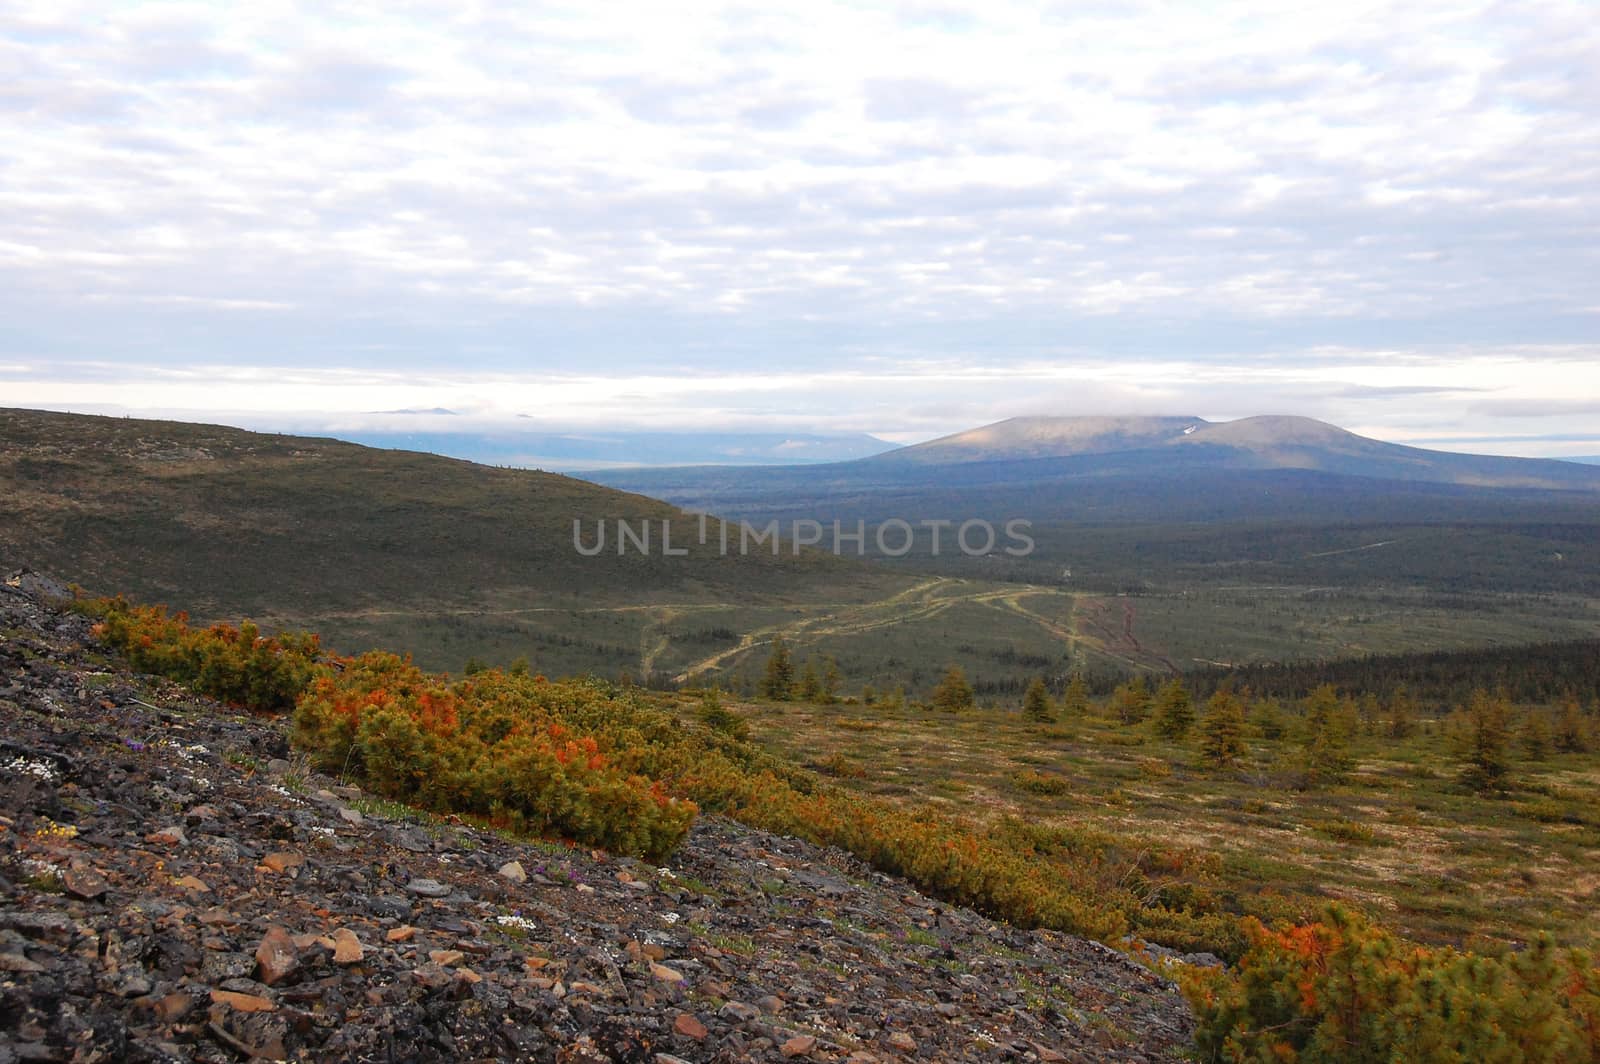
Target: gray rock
[[428, 888]]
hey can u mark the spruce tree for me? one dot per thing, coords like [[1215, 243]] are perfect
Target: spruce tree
[[1075, 699], [1222, 730], [1036, 703], [1326, 753], [1174, 710], [778, 682], [1269, 718], [1130, 702], [1486, 735], [1569, 736], [953, 691], [1536, 735], [810, 688], [1402, 714], [830, 681]]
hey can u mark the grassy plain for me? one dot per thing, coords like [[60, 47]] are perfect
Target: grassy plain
[[1400, 838]]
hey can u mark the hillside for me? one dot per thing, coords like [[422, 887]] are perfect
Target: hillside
[[456, 561], [175, 886], [372, 546]]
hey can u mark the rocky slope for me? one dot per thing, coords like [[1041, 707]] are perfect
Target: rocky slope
[[174, 887]]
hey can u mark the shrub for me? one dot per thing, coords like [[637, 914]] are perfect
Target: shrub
[[237, 665], [1040, 782], [713, 714], [488, 745], [1342, 991]]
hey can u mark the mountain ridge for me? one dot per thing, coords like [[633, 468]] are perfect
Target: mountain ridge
[[1053, 449]]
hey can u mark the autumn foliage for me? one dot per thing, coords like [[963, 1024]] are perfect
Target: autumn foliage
[[237, 665], [493, 744], [1343, 991], [628, 771]]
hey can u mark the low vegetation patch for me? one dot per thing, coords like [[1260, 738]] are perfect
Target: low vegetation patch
[[1341, 990], [628, 770]]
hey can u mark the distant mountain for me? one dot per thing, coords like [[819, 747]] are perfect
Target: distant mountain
[[1051, 461], [1130, 445], [1587, 459], [569, 451], [1045, 437]]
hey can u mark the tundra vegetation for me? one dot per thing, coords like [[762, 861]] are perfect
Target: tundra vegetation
[[1388, 882]]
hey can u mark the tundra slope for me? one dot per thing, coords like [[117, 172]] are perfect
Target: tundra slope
[[172, 889]]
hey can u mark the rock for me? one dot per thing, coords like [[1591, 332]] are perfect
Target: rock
[[739, 1012], [171, 835], [17, 962], [799, 1046], [514, 871], [194, 883], [446, 958], [351, 816], [404, 933], [282, 861], [771, 1004], [428, 888], [1047, 1055], [172, 1008], [905, 1043], [243, 1002], [665, 974], [346, 947], [85, 884], [276, 957], [690, 1027]]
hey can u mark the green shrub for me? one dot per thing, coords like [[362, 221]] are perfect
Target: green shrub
[[493, 744], [1343, 991], [1041, 783], [237, 665]]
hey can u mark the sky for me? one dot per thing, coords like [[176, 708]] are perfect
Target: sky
[[905, 219]]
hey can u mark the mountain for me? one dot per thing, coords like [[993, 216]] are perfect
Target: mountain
[[1154, 444], [1587, 459], [563, 451], [1045, 437], [1171, 504], [374, 546], [1143, 463]]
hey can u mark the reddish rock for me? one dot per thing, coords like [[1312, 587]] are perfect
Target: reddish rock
[[243, 1002], [346, 947], [690, 1027], [84, 883], [276, 956]]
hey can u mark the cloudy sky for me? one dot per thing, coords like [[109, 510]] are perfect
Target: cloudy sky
[[903, 219]]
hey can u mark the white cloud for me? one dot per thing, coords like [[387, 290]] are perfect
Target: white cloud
[[630, 189], [1423, 397]]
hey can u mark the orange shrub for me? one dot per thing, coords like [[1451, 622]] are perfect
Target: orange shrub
[[237, 665], [1343, 991], [476, 747]]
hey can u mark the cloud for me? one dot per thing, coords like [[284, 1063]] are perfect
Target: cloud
[[550, 190], [903, 399]]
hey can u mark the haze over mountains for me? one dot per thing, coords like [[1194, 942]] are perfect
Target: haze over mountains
[[601, 449]]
